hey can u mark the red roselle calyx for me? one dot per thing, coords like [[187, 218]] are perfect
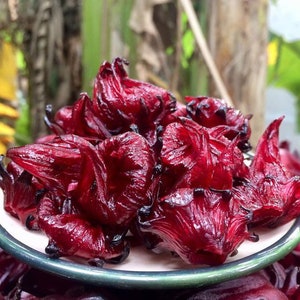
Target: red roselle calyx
[[132, 158]]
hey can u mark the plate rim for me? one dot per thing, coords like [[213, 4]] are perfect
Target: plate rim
[[175, 279]]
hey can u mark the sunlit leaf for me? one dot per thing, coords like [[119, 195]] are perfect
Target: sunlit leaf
[[284, 72], [188, 42], [8, 71], [8, 111]]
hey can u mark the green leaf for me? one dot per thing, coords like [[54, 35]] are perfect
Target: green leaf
[[285, 72], [187, 42]]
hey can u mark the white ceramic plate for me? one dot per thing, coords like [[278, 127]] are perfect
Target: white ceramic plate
[[144, 268]]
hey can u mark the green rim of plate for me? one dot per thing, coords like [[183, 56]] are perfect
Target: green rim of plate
[[179, 279]]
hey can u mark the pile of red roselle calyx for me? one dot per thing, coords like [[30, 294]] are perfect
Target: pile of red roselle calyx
[[132, 159]]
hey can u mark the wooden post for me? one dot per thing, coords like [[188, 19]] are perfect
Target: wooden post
[[237, 38]]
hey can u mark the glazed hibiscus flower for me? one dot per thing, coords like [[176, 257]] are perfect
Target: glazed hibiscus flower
[[193, 214], [72, 233], [270, 192], [21, 195], [211, 112], [130, 157], [79, 119], [124, 104], [289, 159], [250, 287], [119, 104], [192, 157], [198, 225], [11, 270], [115, 179], [88, 188], [56, 163]]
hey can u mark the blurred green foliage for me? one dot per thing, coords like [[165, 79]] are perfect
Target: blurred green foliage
[[284, 67]]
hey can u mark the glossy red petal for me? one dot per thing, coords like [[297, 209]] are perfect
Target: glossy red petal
[[20, 196], [199, 227], [191, 157], [266, 161], [72, 234], [211, 112], [123, 103], [115, 179], [289, 159], [186, 157], [11, 271], [56, 164], [269, 191], [251, 287], [80, 119]]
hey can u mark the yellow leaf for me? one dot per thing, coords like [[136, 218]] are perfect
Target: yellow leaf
[[272, 52], [7, 139], [3, 148], [6, 131], [8, 71], [8, 111]]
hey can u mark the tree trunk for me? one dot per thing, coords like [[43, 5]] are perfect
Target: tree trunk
[[237, 37], [52, 47]]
